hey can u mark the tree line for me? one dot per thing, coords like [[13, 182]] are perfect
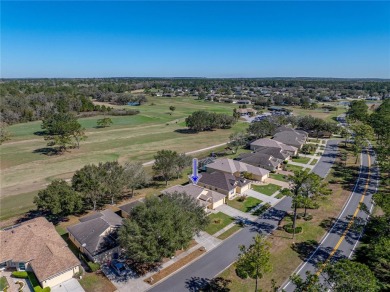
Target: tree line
[[206, 121]]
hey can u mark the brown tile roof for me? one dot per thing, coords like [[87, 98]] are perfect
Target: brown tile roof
[[36, 241]]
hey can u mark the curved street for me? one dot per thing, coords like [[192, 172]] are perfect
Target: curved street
[[343, 237], [193, 276]]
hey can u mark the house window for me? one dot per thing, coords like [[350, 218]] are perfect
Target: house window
[[21, 267]]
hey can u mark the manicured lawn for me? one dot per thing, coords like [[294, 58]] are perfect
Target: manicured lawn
[[290, 167], [229, 232], [314, 161], [217, 222], [303, 160], [245, 206], [278, 176], [92, 282], [16, 204], [279, 196], [3, 283], [268, 190], [61, 230]]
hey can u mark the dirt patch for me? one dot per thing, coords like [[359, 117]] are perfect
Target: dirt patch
[[175, 266]]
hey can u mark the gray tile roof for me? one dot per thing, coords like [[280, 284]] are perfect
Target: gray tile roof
[[222, 180], [260, 159], [272, 143], [233, 166], [129, 206], [90, 231], [290, 138], [275, 152]]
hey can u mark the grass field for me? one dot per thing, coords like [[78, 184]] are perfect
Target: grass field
[[245, 206], [313, 162], [217, 222], [278, 176], [138, 137], [268, 189], [303, 160]]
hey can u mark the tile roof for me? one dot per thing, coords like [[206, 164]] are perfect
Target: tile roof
[[290, 138], [91, 231], [278, 153], [36, 241], [272, 143], [129, 206], [260, 159], [203, 196], [222, 180], [233, 166]]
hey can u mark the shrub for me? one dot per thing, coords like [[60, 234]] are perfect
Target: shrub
[[308, 217], [285, 162], [217, 220], [241, 273], [93, 266], [241, 198], [289, 229], [20, 274]]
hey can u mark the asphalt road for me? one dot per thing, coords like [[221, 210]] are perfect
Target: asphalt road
[[344, 235], [195, 275], [326, 161]]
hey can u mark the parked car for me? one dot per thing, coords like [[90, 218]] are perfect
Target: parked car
[[119, 267]]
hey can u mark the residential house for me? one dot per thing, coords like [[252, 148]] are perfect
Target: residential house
[[286, 128], [127, 208], [262, 143], [206, 198], [237, 168], [292, 138], [224, 183], [277, 153], [35, 246], [244, 101], [260, 159], [96, 235], [246, 111]]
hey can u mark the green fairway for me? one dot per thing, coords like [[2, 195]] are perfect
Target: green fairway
[[217, 222], [268, 190], [130, 138], [16, 205], [244, 206], [302, 160]]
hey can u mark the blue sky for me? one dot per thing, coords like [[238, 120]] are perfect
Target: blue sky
[[199, 39]]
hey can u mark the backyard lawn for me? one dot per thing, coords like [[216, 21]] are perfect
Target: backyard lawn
[[278, 176], [268, 190], [217, 222], [303, 160], [244, 206]]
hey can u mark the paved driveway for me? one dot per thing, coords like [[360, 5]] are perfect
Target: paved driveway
[[262, 197], [237, 214], [71, 285]]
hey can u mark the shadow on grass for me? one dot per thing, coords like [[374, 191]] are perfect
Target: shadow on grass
[[185, 131], [46, 151], [40, 133]]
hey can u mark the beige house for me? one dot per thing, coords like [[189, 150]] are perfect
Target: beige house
[[224, 183], [238, 169], [95, 235], [206, 198], [36, 246]]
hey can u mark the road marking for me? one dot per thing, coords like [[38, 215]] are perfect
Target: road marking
[[350, 222]]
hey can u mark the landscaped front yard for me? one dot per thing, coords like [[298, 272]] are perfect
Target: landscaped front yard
[[217, 222], [302, 160], [92, 282], [278, 176], [292, 168], [245, 206], [268, 190], [313, 162], [3, 283]]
